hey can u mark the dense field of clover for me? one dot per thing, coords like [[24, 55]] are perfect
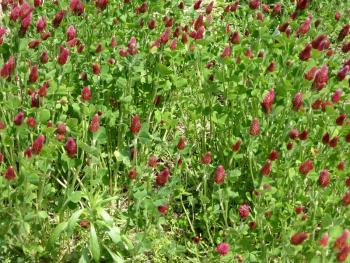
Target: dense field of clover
[[175, 131]]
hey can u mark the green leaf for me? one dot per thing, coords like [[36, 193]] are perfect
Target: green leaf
[[162, 69], [114, 233], [44, 115], [57, 232], [94, 245], [116, 258], [75, 196], [74, 219]]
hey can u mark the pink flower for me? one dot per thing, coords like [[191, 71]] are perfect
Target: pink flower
[[71, 33], [10, 174], [298, 238], [222, 249], [135, 126], [95, 123], [63, 56], [244, 211], [86, 94], [162, 177], [71, 147], [219, 176], [38, 144]]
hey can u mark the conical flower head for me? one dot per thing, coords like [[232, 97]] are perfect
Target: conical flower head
[[10, 174], [255, 127], [298, 238], [268, 101], [135, 126], [219, 176], [71, 147], [38, 144], [306, 167], [95, 123]]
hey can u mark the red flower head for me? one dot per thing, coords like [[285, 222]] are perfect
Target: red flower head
[[209, 8], [305, 54], [71, 147], [63, 56], [34, 43], [321, 78], [222, 249], [95, 123], [163, 209], [234, 38], [273, 155], [317, 42], [326, 138], [162, 177], [255, 127], [135, 126], [58, 18], [206, 158], [341, 166], [324, 179], [31, 122], [306, 167], [266, 168], [268, 101], [316, 105], [86, 94], [340, 119], [347, 138], [334, 142], [132, 174], [197, 4], [77, 7], [226, 52], [101, 4], [10, 174], [113, 42], [343, 72], [33, 76], [152, 24], [337, 16], [38, 144], [96, 68], [181, 144], [19, 118], [173, 44], [14, 13], [244, 211], [41, 24], [344, 32], [311, 73], [152, 161], [219, 176], [298, 101], [336, 96], [277, 8], [293, 134], [254, 4], [42, 91], [298, 238], [304, 27], [71, 33], [343, 254], [236, 146], [25, 23], [271, 67], [304, 135], [340, 242], [323, 240]]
